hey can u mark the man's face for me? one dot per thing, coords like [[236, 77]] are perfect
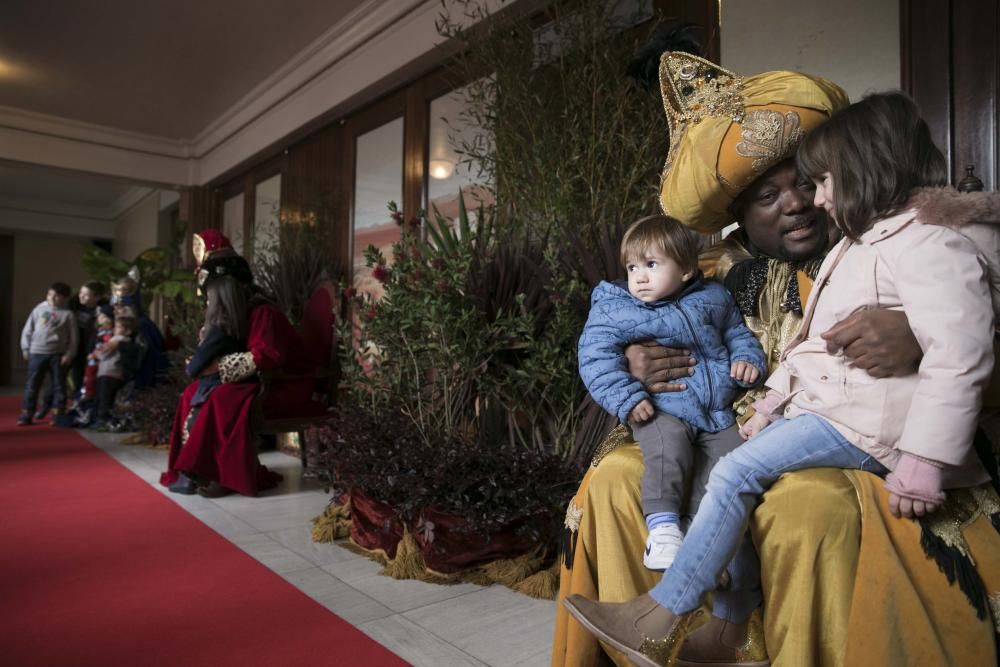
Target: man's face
[[778, 215]]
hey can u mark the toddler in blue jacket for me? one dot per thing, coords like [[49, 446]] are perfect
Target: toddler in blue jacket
[[681, 434]]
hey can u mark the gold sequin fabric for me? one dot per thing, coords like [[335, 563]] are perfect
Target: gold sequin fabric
[[619, 435], [960, 509], [769, 135], [573, 515], [664, 651], [694, 89], [237, 367]]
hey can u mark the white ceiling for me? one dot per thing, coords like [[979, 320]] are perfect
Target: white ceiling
[[167, 68], [42, 184]]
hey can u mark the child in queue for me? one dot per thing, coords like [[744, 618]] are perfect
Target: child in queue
[[111, 366], [916, 430], [681, 434], [48, 343]]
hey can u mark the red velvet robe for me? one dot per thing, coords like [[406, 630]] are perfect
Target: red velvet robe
[[220, 446]]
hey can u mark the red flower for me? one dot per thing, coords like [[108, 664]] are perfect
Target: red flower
[[370, 314], [441, 286], [555, 297], [416, 276], [350, 293], [438, 263], [380, 273], [397, 217]]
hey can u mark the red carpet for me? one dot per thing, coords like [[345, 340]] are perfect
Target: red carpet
[[97, 568]]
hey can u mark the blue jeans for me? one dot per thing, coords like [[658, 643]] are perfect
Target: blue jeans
[[734, 489], [40, 365]]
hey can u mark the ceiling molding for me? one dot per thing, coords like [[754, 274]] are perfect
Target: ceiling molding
[[361, 25], [100, 135], [378, 39]]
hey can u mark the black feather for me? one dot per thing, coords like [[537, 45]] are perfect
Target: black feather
[[668, 36]]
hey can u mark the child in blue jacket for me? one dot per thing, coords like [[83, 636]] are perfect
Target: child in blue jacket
[[666, 300]]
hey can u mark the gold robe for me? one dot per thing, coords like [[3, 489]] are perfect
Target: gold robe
[[844, 582]]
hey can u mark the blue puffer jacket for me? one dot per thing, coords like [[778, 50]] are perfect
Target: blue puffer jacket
[[703, 319]]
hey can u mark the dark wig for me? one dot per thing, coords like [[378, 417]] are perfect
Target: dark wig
[[877, 151], [228, 306]]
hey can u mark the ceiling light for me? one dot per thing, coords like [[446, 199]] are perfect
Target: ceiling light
[[441, 169]]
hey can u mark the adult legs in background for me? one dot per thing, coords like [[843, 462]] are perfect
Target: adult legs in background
[[107, 389]]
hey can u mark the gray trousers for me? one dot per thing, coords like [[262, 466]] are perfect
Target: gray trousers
[[678, 459]]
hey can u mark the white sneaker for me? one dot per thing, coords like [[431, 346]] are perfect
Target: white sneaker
[[661, 546]]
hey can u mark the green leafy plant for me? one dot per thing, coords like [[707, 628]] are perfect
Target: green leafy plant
[[157, 272], [302, 254]]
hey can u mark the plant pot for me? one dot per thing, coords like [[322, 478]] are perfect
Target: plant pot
[[375, 526], [448, 545]]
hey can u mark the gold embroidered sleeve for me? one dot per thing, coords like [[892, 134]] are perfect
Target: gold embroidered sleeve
[[237, 367]]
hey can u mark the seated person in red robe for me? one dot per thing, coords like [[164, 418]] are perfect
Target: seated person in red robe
[[213, 443]]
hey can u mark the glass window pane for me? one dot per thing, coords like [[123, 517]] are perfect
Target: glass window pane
[[266, 224], [232, 222], [448, 167], [378, 180]]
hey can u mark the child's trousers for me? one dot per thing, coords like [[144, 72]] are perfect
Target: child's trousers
[[40, 365], [734, 489]]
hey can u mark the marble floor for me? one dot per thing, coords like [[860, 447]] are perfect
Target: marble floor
[[426, 624]]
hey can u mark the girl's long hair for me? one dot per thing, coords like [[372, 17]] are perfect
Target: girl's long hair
[[877, 151], [228, 306]]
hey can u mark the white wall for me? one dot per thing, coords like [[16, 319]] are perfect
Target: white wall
[[138, 228], [854, 43]]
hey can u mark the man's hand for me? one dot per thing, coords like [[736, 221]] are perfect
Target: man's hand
[[878, 341], [656, 366], [751, 427], [109, 347], [642, 412], [66, 360], [27, 356], [744, 371], [211, 369]]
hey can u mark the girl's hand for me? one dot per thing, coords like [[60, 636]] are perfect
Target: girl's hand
[[914, 486], [909, 508], [757, 423], [642, 412], [744, 371]]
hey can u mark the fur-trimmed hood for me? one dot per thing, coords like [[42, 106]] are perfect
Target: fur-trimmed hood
[[951, 208], [974, 215]]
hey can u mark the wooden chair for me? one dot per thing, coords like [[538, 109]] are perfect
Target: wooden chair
[[319, 338]]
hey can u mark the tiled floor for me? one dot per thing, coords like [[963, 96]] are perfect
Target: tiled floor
[[426, 624]]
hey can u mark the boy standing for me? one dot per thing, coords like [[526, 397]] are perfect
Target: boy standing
[[48, 343]]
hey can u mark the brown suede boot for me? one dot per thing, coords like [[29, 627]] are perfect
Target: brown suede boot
[[719, 643], [649, 634]]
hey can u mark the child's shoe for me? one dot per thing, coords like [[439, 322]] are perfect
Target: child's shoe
[[40, 414], [24, 419], [661, 546]]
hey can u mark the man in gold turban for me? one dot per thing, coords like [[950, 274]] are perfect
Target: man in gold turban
[[843, 582]]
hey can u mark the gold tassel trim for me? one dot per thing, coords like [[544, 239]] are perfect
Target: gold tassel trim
[[333, 524], [527, 574]]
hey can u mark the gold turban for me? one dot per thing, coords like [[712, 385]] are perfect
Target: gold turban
[[725, 131]]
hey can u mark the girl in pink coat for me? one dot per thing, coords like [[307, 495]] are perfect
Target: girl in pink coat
[[821, 412]]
